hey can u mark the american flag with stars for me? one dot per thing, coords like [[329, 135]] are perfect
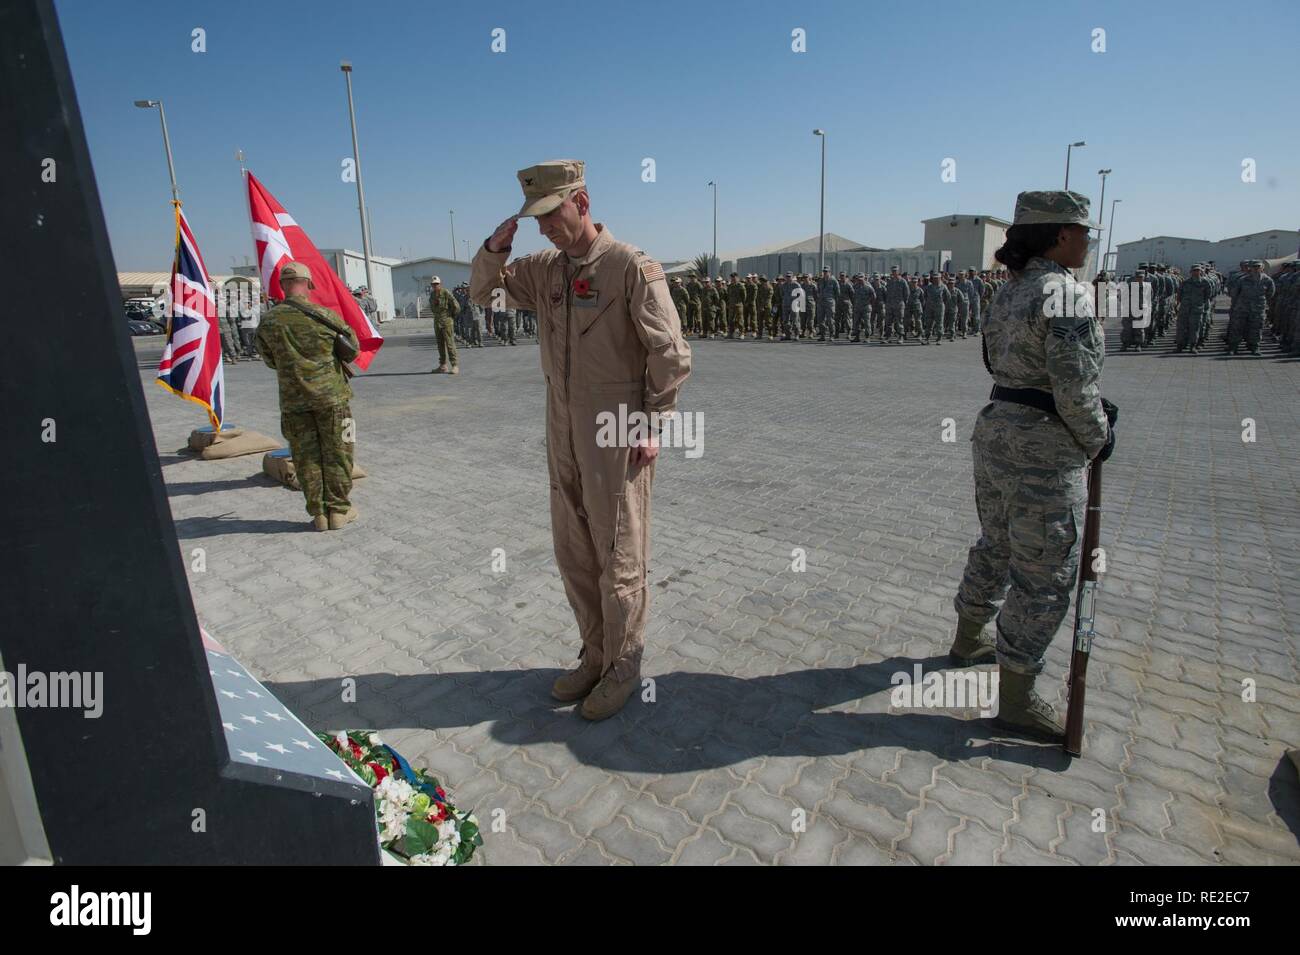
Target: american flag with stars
[[260, 730]]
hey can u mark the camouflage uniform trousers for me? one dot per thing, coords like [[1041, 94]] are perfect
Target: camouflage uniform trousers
[[322, 460], [1207, 319], [878, 316], [229, 340], [1027, 554], [826, 314], [447, 342], [1189, 325], [914, 313], [843, 316], [1128, 335], [735, 319], [933, 322], [1246, 322], [894, 320], [862, 321], [789, 321]]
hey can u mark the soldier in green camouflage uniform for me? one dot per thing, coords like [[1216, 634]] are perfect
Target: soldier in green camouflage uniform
[[864, 299], [1031, 446], [763, 302], [1249, 307], [915, 307], [897, 292], [444, 308], [709, 305], [1193, 295], [935, 306], [314, 395], [681, 301], [809, 306]]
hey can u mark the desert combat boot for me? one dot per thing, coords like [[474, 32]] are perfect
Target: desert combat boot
[[971, 647], [576, 684], [609, 695], [1023, 711]]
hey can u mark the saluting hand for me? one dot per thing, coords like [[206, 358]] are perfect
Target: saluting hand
[[503, 238]]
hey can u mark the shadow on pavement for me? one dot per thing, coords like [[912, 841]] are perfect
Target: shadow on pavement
[[700, 720], [189, 528]]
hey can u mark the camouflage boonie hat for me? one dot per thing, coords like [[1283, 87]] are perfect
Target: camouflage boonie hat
[[548, 184], [1053, 207], [295, 270]]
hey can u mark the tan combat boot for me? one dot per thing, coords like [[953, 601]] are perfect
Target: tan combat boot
[[455, 369], [577, 683], [340, 519], [440, 370], [971, 647], [320, 522], [609, 696], [1023, 711]]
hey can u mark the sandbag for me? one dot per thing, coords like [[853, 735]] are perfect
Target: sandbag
[[248, 442], [278, 466], [205, 437]]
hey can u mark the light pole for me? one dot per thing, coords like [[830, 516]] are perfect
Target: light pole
[[821, 228], [714, 184], [1102, 206], [346, 67], [167, 143], [1067, 160], [1111, 231], [453, 235]]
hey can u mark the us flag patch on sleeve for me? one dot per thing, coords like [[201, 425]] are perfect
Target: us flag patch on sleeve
[[651, 271]]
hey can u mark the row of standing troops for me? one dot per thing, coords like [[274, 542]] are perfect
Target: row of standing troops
[[892, 308], [1188, 305]]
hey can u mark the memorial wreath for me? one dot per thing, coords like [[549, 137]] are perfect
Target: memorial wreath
[[417, 822]]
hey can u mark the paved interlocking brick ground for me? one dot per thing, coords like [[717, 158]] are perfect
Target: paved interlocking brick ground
[[771, 687]]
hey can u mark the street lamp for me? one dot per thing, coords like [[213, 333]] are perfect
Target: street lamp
[[821, 229], [453, 234], [1102, 207], [1067, 160], [715, 222], [167, 143], [1111, 231], [346, 67]]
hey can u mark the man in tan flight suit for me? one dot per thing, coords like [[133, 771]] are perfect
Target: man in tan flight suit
[[610, 336]]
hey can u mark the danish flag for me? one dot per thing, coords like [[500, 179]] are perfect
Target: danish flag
[[191, 361], [279, 239]]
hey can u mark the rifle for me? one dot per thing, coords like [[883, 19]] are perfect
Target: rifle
[[1083, 614]]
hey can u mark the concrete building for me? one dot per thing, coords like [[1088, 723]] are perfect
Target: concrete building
[[410, 282], [1182, 252], [350, 266], [841, 255], [971, 239]]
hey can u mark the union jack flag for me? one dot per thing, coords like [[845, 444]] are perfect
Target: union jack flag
[[191, 362]]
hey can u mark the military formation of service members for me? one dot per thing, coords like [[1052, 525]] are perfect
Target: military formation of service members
[[1185, 306], [890, 309]]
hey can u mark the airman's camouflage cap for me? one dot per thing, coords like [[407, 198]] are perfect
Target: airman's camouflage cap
[[295, 270], [548, 184], [1053, 207]]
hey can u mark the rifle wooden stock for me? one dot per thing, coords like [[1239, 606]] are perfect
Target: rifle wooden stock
[[1084, 614]]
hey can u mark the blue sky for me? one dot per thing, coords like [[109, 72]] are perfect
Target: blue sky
[[1184, 92]]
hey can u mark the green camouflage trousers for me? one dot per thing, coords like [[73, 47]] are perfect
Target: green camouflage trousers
[[1031, 523], [446, 331], [322, 460]]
